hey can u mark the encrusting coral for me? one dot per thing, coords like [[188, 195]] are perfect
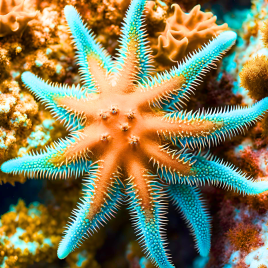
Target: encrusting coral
[[264, 31], [254, 75], [26, 238], [184, 33], [244, 237], [17, 112], [129, 138], [13, 17]]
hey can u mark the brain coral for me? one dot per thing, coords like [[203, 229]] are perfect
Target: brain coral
[[184, 33], [13, 17]]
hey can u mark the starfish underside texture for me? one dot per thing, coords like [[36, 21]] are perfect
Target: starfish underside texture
[[131, 139]]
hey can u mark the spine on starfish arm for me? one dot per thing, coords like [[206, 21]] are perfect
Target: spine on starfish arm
[[188, 201], [47, 163], [84, 222], [211, 127], [193, 68], [212, 170], [134, 31], [148, 222], [234, 120], [87, 47], [199, 169], [49, 94]]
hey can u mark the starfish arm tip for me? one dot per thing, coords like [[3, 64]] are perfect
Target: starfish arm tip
[[231, 35], [63, 251], [7, 166], [27, 77], [188, 200]]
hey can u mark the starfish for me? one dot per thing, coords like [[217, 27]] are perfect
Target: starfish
[[132, 140]]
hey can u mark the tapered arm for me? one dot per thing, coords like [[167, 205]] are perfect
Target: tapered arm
[[102, 196], [49, 163], [93, 60], [139, 59], [147, 208], [192, 69], [188, 201]]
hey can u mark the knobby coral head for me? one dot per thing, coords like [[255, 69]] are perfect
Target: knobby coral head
[[131, 139]]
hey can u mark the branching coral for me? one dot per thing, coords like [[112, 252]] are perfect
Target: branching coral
[[184, 33], [13, 17]]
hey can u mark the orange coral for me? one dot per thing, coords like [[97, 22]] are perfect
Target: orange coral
[[262, 266], [185, 33], [254, 77], [264, 31], [244, 237], [13, 17], [156, 15], [250, 162]]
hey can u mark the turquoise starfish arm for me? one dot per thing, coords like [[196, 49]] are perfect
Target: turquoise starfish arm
[[225, 175], [188, 200], [50, 95], [93, 60], [206, 128], [146, 205], [47, 164], [87, 218], [134, 36], [192, 70], [213, 171]]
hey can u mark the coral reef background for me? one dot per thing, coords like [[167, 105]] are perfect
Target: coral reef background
[[35, 211]]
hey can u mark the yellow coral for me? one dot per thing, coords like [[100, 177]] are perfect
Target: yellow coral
[[13, 17], [17, 111], [264, 31], [31, 234], [185, 33], [254, 77]]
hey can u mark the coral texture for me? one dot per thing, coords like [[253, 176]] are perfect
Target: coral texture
[[184, 33], [264, 31], [27, 239], [254, 77], [130, 140], [17, 112], [13, 17]]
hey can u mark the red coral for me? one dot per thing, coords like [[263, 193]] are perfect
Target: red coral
[[250, 163], [244, 237]]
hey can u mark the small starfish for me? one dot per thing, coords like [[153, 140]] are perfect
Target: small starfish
[[128, 135]]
